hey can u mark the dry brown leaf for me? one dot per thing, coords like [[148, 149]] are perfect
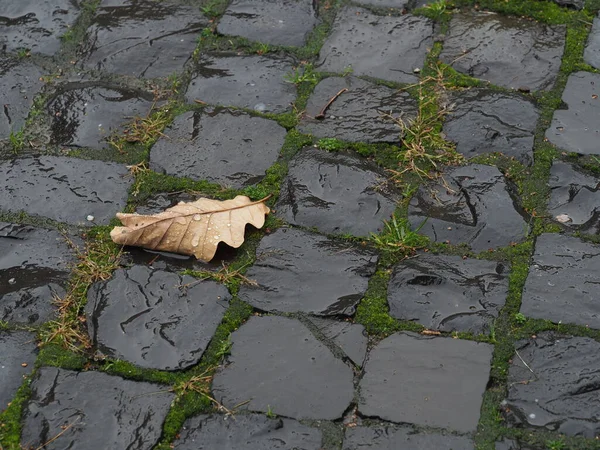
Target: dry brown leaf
[[194, 228]]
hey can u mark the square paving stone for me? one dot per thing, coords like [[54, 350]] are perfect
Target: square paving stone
[[472, 206], [18, 351], [386, 47], [422, 380], [229, 148], [87, 117], [246, 432], [448, 293], [337, 192], [591, 54], [405, 438], [563, 284], [143, 38], [253, 82], [19, 84], [562, 392], [507, 51], [485, 121], [100, 410], [351, 338], [300, 271], [287, 22], [64, 189], [577, 129], [574, 197], [360, 114], [36, 25], [278, 365], [154, 318]]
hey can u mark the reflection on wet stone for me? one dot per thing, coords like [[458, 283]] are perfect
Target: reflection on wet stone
[[143, 38], [360, 114], [18, 351], [336, 193], [282, 22], [563, 284], [253, 82], [30, 306], [349, 337], [278, 365], [577, 129], [86, 117], [301, 271], [574, 197], [246, 432], [154, 318], [591, 55], [507, 51], [395, 438], [473, 207], [448, 293], [35, 24], [64, 189], [484, 121], [562, 392], [386, 47], [421, 380], [229, 148], [101, 411], [19, 84]]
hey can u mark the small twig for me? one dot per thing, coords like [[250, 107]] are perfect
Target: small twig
[[200, 102], [526, 365], [321, 114]]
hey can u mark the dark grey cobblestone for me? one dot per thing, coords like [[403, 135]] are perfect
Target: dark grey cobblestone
[[18, 352]]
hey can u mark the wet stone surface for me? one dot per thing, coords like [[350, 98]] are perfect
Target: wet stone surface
[[229, 148], [359, 114], [591, 54], [576, 128], [131, 412], [563, 394], [420, 380], [398, 4], [350, 338], [507, 51], [253, 82], [485, 121], [31, 306], [247, 431], [86, 117], [392, 438], [478, 210], [286, 22], [448, 293], [19, 83], [336, 193], [575, 4], [64, 189], [563, 284], [279, 366], [301, 271], [143, 38], [18, 350], [390, 48], [576, 195], [154, 318], [35, 24]]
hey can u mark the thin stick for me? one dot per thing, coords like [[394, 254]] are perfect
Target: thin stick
[[526, 365], [321, 115]]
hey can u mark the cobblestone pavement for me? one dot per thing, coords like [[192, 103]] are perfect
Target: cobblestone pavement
[[429, 277]]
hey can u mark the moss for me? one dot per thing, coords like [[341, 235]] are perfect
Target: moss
[[10, 418], [54, 355], [127, 370], [373, 311]]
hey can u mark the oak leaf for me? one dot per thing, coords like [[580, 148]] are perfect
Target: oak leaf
[[193, 228]]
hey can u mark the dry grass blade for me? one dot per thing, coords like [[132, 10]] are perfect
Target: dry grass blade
[[200, 384], [194, 228]]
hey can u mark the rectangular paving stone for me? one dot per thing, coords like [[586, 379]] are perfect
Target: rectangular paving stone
[[507, 51], [142, 38], [402, 438], [386, 47], [563, 284], [591, 54], [577, 128], [553, 385], [253, 82], [281, 22], [423, 380], [64, 189]]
